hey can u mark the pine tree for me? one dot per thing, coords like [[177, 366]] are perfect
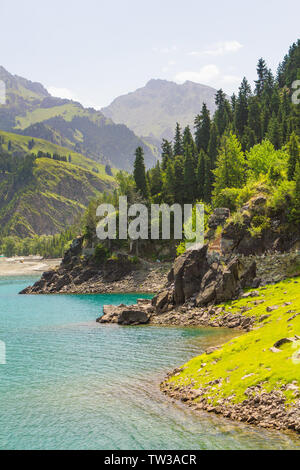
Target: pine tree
[[202, 129], [178, 143], [140, 173], [262, 72], [179, 179], [230, 170], [294, 155], [167, 153], [190, 183], [223, 113], [254, 117], [168, 190], [274, 132], [207, 180], [213, 145], [155, 182], [241, 109], [201, 176]]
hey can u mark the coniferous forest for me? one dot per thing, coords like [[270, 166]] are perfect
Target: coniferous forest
[[253, 136]]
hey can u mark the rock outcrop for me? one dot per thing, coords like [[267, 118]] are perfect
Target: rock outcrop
[[127, 315], [218, 218], [256, 230], [80, 275], [201, 278]]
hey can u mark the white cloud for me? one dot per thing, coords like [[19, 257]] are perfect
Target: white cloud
[[206, 74], [219, 48], [62, 93], [210, 75]]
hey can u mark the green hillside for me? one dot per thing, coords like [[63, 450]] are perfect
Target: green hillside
[[32, 111], [43, 195], [16, 144]]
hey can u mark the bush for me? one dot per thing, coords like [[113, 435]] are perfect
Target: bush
[[101, 253], [282, 196], [259, 224], [227, 198]]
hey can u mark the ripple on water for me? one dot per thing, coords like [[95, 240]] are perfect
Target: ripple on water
[[70, 383]]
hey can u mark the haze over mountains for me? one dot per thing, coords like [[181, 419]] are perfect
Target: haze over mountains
[[152, 111], [55, 193], [30, 110]]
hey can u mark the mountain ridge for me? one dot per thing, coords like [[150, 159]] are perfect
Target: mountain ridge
[[84, 130], [153, 110]]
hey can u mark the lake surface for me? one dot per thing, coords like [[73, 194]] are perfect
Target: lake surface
[[70, 383]]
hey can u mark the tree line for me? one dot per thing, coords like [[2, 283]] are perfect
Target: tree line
[[253, 134]]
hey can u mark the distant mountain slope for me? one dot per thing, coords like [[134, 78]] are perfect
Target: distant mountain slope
[[31, 110], [18, 145], [152, 111], [55, 196], [50, 203]]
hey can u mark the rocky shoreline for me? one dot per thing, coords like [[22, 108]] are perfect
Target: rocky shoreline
[[267, 410]]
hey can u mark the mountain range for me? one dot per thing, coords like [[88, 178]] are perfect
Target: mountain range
[[30, 110], [32, 121], [152, 111]]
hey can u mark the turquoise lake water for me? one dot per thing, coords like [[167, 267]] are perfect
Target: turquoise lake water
[[70, 383]]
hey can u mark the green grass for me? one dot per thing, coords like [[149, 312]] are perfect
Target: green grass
[[247, 360], [19, 143], [66, 111]]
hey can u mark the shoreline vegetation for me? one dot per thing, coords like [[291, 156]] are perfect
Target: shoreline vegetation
[[253, 378]]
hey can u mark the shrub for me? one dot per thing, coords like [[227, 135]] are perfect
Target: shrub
[[101, 253], [227, 198], [282, 196], [259, 224]]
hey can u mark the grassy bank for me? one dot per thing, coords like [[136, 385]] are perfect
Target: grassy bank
[[255, 359]]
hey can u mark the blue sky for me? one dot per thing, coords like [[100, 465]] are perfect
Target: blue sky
[[95, 50]]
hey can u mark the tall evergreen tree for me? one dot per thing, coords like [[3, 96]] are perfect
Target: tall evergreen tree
[[179, 188], [241, 109], [274, 132], [155, 182], [213, 145], [262, 72], [223, 113], [202, 129], [230, 170], [167, 153], [140, 173], [190, 183], [178, 141], [201, 176]]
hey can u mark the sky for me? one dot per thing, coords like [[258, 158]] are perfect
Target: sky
[[93, 50]]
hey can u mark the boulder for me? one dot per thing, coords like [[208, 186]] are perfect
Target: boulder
[[218, 218], [189, 270], [201, 278], [162, 301], [127, 315], [130, 316]]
